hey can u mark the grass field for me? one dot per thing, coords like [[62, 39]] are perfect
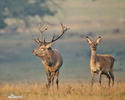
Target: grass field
[[67, 91], [102, 17]]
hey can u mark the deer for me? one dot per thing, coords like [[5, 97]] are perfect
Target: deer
[[51, 58], [101, 64]]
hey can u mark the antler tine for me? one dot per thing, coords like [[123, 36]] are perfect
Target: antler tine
[[53, 37], [36, 39], [41, 30], [64, 29]]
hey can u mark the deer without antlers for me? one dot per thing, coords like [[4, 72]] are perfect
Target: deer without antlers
[[51, 58], [100, 63]]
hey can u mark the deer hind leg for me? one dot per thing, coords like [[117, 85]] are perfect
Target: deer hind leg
[[112, 76], [48, 73], [108, 76], [57, 75], [92, 80]]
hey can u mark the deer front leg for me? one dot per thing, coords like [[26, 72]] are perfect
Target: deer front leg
[[100, 74], [92, 80], [52, 77], [57, 75], [48, 73]]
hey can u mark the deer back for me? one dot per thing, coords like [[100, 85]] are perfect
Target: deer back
[[104, 62]]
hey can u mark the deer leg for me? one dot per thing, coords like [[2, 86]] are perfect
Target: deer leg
[[100, 74], [92, 80], [112, 76], [57, 75], [52, 77], [48, 73], [108, 76]]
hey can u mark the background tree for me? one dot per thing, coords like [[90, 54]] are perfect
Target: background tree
[[22, 9]]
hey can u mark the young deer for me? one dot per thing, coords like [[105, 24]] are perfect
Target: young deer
[[100, 63], [51, 58]]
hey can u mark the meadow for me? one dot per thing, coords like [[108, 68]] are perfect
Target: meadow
[[66, 91], [84, 17]]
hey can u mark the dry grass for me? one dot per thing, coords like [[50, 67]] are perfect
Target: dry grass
[[67, 91]]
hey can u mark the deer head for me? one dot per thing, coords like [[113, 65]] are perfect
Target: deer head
[[44, 47], [93, 44]]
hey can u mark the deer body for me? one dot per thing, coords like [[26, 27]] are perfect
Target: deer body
[[97, 62], [52, 61], [51, 58], [100, 63]]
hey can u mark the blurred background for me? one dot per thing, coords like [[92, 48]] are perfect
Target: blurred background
[[19, 21]]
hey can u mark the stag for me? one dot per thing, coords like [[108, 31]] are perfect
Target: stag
[[100, 63], [51, 58]]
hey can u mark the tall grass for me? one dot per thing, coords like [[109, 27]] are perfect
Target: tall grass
[[66, 91]]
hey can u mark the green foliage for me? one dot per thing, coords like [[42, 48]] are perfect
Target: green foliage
[[22, 9]]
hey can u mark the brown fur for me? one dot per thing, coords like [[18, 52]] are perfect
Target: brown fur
[[51, 58], [100, 63], [105, 61]]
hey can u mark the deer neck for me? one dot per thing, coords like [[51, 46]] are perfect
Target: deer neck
[[49, 58], [93, 58]]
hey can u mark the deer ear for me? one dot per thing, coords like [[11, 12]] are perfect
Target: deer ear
[[49, 45], [88, 39], [99, 39]]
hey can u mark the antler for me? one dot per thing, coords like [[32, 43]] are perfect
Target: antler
[[41, 30], [64, 29], [36, 39]]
